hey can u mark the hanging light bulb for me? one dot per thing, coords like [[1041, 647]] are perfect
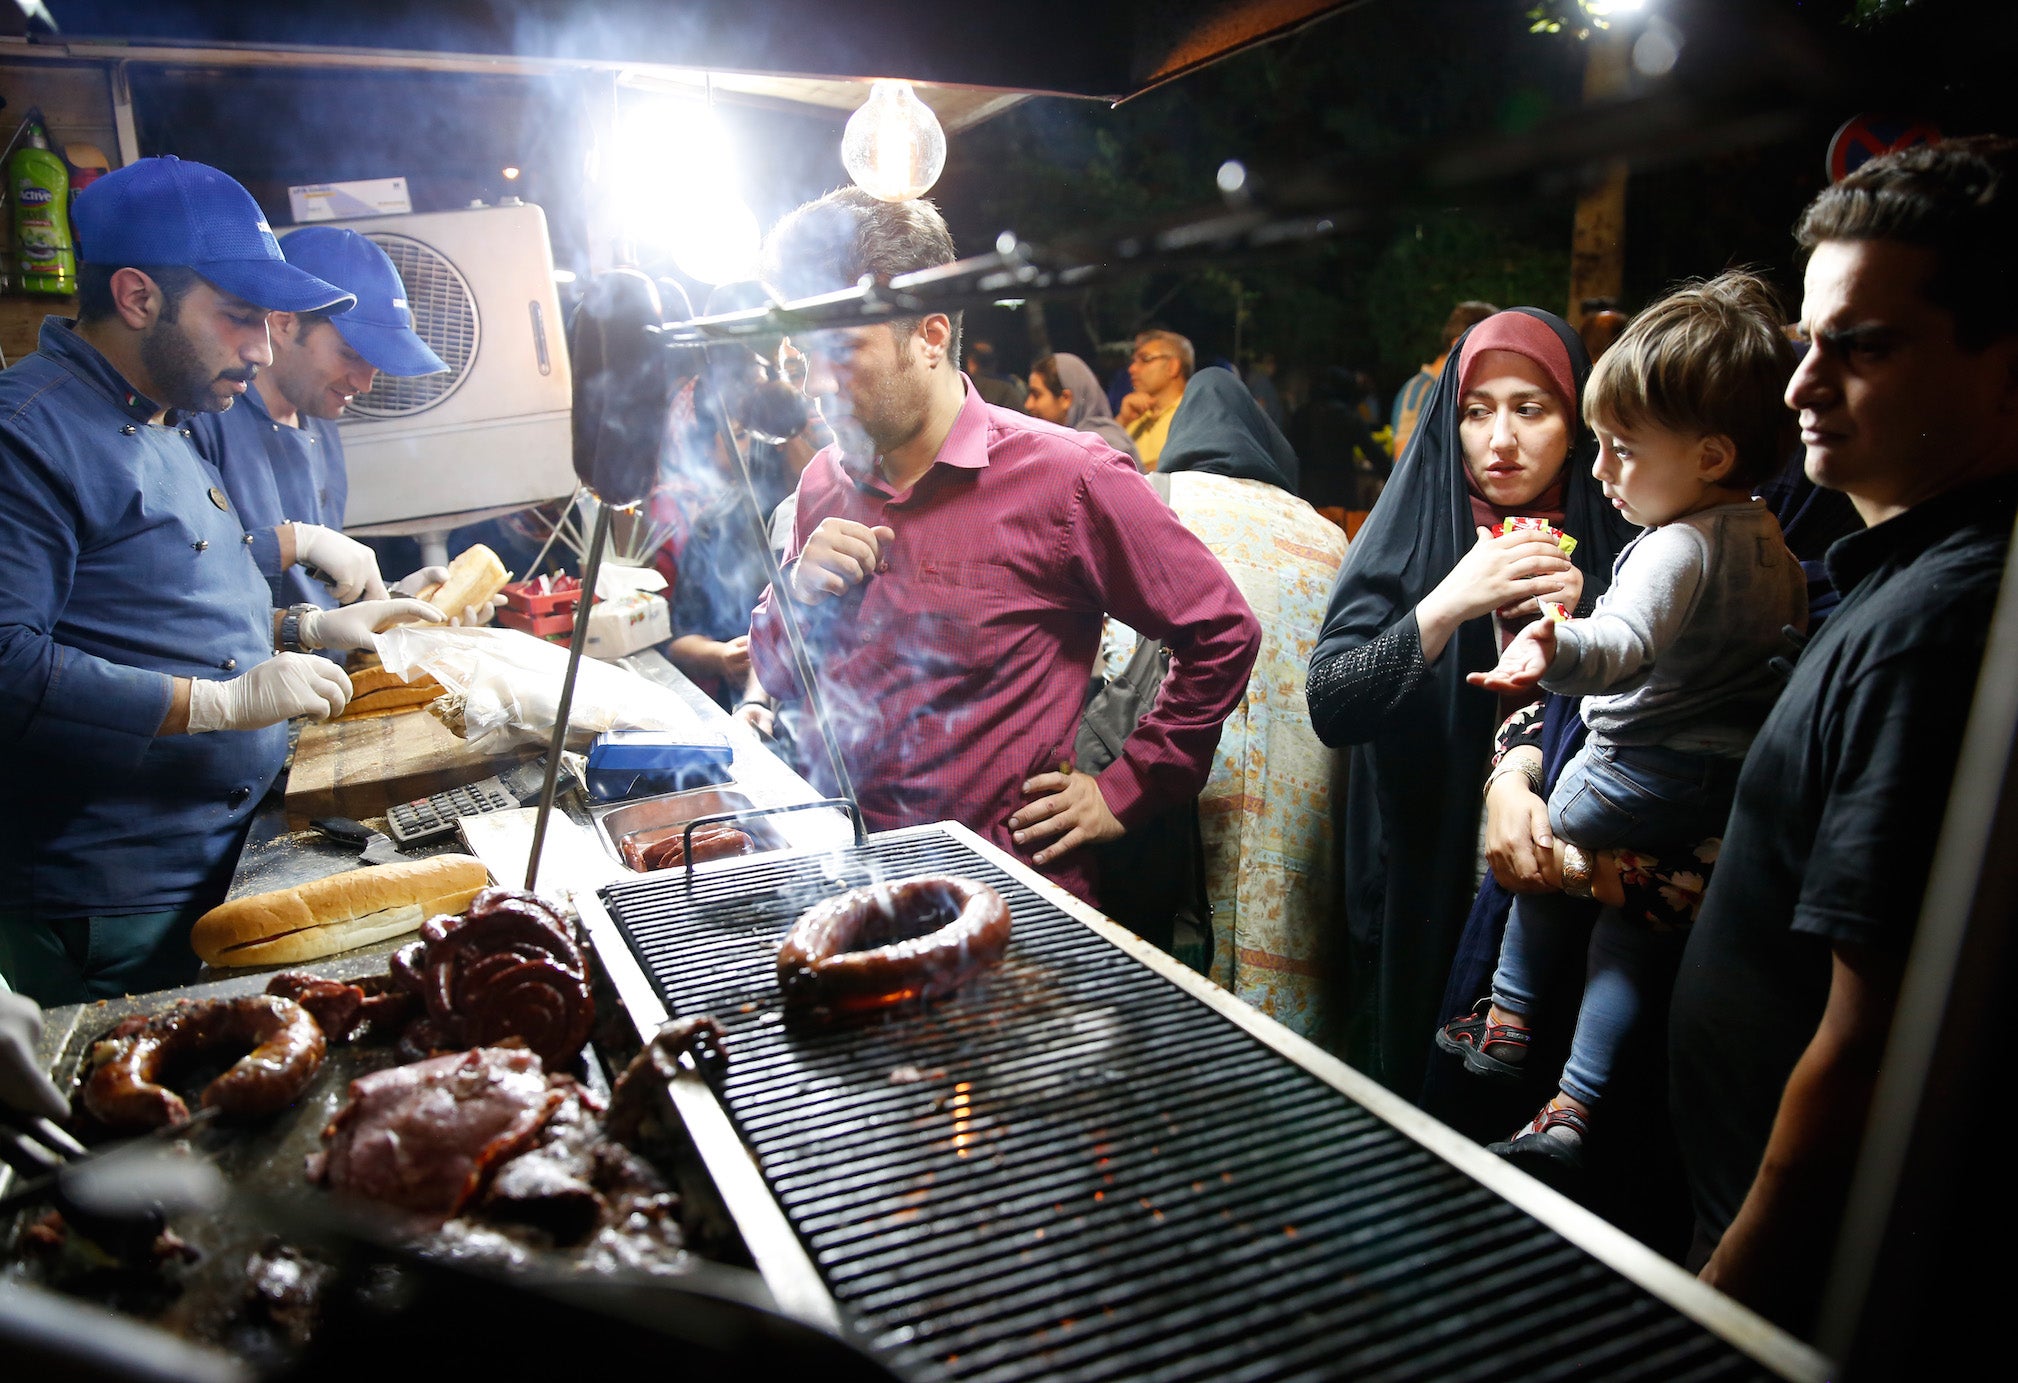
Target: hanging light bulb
[[893, 147]]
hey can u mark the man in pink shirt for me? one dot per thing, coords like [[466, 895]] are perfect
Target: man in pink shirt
[[952, 562]]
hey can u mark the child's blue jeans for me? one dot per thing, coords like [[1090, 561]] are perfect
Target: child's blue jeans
[[1653, 800]]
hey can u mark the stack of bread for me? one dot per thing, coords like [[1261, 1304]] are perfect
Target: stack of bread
[[376, 692], [473, 578]]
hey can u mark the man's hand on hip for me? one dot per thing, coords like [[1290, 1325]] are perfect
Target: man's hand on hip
[[1069, 812], [840, 556]]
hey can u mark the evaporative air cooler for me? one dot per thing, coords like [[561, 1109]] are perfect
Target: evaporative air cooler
[[430, 453]]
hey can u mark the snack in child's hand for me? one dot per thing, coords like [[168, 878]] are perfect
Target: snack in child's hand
[[1520, 523], [1555, 610]]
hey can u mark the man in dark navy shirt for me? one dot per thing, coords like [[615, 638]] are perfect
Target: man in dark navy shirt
[[279, 450], [142, 707], [1791, 975]]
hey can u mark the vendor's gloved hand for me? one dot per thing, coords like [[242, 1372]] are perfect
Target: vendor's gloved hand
[[22, 1082], [480, 613], [469, 615], [412, 586], [352, 568], [284, 686], [353, 625]]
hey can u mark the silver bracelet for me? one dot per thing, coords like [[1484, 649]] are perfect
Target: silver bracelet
[[1576, 872], [1524, 766]]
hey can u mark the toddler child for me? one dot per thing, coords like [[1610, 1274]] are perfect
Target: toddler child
[[1672, 663]]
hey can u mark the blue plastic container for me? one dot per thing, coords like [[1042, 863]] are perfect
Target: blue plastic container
[[642, 763]]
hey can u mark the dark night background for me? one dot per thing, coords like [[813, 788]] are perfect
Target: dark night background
[[1376, 79]]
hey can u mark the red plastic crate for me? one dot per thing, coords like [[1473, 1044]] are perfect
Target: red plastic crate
[[520, 596], [546, 614], [555, 626]]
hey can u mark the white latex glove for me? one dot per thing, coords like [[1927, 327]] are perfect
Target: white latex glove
[[480, 613], [352, 568], [412, 586], [284, 686], [353, 625], [469, 615], [22, 1083]]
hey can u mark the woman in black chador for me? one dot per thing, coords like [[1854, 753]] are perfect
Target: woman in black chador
[[1424, 599]]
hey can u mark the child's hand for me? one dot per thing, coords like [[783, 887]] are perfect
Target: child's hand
[[1524, 663]]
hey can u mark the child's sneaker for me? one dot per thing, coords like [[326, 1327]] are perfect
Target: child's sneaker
[[1494, 1050], [1551, 1148]]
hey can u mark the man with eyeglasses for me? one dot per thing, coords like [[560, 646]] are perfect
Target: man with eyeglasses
[[1161, 368]]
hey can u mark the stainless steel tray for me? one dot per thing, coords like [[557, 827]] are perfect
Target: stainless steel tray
[[619, 820]]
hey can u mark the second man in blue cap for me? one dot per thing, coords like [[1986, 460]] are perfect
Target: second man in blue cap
[[280, 453]]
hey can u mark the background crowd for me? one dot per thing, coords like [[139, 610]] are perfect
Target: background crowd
[[1712, 741]]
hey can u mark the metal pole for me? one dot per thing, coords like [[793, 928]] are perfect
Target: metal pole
[[591, 569]]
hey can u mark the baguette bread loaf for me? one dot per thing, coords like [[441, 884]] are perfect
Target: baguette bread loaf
[[338, 913], [473, 578]]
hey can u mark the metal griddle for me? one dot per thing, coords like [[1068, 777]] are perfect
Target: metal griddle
[[1091, 1164], [264, 1159]]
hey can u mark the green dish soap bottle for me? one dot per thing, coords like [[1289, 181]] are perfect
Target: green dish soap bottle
[[40, 187]]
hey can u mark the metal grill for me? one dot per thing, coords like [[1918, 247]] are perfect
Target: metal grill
[[444, 316], [1074, 1169]]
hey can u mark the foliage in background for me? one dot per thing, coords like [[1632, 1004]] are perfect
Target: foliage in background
[[1577, 18], [1451, 256], [1869, 12], [1371, 81]]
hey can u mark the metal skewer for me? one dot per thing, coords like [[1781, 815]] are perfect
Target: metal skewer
[[591, 569]]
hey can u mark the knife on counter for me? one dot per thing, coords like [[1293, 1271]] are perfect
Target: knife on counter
[[375, 847]]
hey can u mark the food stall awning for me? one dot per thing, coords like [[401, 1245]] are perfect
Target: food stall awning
[[970, 59]]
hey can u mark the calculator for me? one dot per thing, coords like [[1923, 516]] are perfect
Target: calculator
[[428, 817]]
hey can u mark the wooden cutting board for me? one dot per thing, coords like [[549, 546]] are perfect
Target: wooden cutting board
[[358, 768]]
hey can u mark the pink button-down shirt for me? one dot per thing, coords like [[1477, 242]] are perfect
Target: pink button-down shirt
[[961, 669]]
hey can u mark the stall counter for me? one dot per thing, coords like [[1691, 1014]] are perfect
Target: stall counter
[[277, 857]]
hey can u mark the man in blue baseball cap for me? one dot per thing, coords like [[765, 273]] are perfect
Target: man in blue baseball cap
[[143, 706], [280, 453]]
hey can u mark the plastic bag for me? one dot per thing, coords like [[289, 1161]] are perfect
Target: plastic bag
[[508, 684]]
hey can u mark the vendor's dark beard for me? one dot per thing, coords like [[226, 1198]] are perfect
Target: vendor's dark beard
[[182, 378]]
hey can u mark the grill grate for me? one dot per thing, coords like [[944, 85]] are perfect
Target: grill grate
[[444, 316], [1074, 1169]]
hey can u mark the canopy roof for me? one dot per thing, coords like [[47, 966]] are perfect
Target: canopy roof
[[967, 56]]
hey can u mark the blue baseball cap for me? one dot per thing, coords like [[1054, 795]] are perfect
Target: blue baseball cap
[[167, 211], [380, 326]]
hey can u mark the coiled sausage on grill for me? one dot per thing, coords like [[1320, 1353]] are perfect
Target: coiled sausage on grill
[[872, 947]]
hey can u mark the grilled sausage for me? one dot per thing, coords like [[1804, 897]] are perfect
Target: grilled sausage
[[872, 947], [124, 1089], [508, 969], [666, 849]]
